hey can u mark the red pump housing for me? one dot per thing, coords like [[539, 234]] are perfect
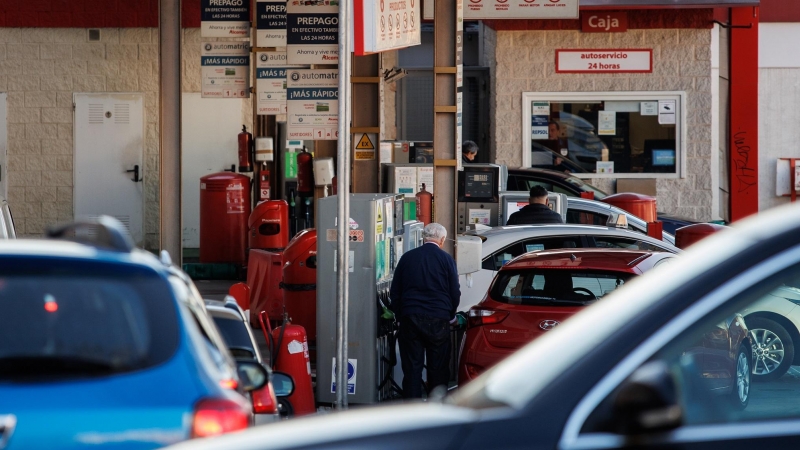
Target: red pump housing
[[642, 206], [291, 357], [688, 235], [224, 210], [300, 281], [269, 225]]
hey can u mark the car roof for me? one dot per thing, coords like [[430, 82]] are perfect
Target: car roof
[[537, 171], [222, 312], [62, 249], [602, 259]]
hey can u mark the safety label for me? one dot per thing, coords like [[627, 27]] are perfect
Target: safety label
[[235, 199], [295, 347], [352, 364], [355, 235]]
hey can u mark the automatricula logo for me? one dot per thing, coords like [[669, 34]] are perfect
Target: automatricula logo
[[295, 76]]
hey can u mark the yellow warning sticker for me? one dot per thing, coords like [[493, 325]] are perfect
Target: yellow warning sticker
[[365, 143], [365, 155]]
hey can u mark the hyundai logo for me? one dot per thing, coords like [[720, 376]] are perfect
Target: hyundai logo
[[548, 324]]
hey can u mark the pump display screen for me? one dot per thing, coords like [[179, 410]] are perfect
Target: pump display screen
[[479, 184]]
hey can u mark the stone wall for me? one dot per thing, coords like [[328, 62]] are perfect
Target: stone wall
[[41, 69], [524, 61]]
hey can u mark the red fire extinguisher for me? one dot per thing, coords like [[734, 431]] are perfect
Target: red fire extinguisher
[[291, 357], [263, 183], [424, 205], [245, 150], [305, 174]]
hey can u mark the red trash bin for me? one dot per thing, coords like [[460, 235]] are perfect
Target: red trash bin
[[224, 210], [269, 225]]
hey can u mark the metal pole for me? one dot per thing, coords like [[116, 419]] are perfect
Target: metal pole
[[343, 190], [169, 63]]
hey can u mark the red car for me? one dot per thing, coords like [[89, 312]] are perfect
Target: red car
[[535, 292]]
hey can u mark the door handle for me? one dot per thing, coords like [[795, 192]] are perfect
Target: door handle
[[135, 171]]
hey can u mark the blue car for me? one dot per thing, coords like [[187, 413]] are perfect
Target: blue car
[[104, 345]]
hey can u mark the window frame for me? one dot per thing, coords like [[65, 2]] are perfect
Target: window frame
[[567, 97], [571, 436]]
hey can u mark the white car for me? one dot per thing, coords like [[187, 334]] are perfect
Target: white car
[[502, 244], [593, 212], [774, 321]]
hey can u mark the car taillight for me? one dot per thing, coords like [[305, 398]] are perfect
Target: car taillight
[[264, 400], [229, 384], [213, 417], [482, 316]]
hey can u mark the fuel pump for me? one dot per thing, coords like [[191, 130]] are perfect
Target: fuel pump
[[245, 150]]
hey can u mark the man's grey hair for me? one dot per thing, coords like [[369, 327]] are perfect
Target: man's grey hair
[[433, 232], [469, 147]]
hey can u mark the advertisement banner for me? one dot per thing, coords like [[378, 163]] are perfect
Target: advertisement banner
[[382, 25], [513, 9], [225, 69], [312, 104], [270, 23], [271, 82], [225, 18], [312, 31]]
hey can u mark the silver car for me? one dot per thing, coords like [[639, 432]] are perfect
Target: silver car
[[581, 210], [501, 244]]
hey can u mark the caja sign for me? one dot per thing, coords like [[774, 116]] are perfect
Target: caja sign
[[604, 22]]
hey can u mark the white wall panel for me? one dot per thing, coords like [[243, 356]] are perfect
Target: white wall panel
[[778, 131], [777, 45], [209, 139]]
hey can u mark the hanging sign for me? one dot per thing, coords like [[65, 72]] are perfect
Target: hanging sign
[[382, 25], [513, 9], [225, 18], [604, 61], [312, 104], [225, 69], [271, 82], [312, 31], [270, 23]]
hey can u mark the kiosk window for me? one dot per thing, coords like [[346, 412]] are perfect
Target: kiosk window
[[619, 135]]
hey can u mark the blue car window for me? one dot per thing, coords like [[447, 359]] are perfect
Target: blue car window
[[78, 324]]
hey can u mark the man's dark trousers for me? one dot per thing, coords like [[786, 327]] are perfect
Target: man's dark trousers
[[422, 336]]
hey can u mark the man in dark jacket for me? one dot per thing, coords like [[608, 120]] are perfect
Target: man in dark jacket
[[425, 293], [536, 211]]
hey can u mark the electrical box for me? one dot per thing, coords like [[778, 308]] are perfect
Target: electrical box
[[323, 171], [407, 179], [265, 149]]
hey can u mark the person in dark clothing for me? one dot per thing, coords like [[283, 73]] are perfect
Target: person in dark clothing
[[424, 297], [536, 211], [468, 152]]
